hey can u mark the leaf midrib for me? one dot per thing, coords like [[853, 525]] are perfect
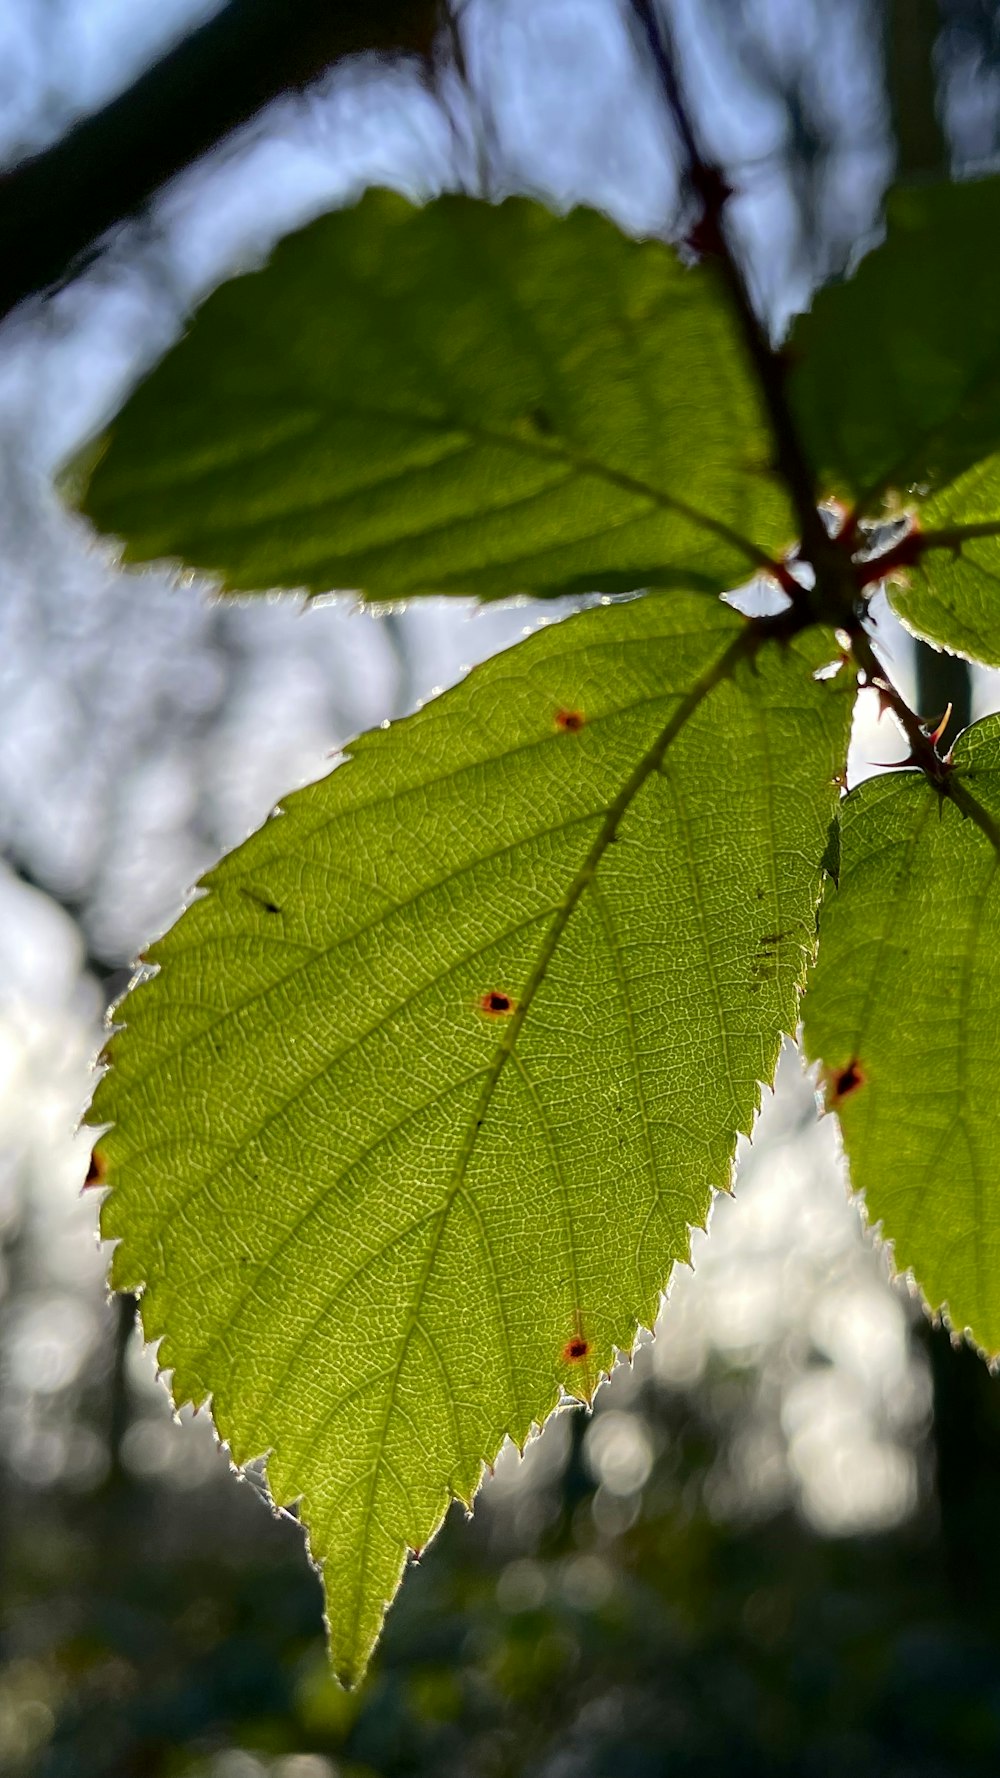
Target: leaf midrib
[[316, 953], [743, 645], [552, 451]]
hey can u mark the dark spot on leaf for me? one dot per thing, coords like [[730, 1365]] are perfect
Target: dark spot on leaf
[[576, 1349], [263, 901], [570, 721], [842, 1083], [542, 421], [97, 1171], [496, 1003]]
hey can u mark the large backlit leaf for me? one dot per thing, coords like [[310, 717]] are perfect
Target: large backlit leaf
[[414, 1119], [465, 398], [904, 1011]]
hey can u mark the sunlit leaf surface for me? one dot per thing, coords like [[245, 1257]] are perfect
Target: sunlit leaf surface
[[904, 1012], [435, 1077], [951, 594]]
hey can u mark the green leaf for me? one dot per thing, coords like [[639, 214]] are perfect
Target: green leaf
[[896, 372], [903, 1010], [415, 1117], [464, 398], [951, 594]]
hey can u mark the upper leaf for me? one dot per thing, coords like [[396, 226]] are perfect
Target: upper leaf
[[464, 398], [896, 372], [413, 1121], [904, 1010]]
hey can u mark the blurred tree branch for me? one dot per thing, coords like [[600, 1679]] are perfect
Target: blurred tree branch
[[55, 207]]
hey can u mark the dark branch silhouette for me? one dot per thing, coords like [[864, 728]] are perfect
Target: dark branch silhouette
[[55, 207]]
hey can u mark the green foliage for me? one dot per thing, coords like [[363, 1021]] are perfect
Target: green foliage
[[460, 399], [434, 1078], [951, 595], [896, 379], [904, 1009], [403, 1138]]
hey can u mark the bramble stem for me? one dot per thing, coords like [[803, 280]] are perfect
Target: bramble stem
[[923, 752], [714, 191], [838, 596]]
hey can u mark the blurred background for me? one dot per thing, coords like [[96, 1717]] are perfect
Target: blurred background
[[774, 1546]]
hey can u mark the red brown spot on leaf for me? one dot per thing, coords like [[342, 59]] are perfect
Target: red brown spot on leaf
[[570, 721], [843, 1083], [496, 1003], [576, 1349], [97, 1171]]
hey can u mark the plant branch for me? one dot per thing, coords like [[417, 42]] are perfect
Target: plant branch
[[923, 752], [710, 237], [55, 207], [923, 749]]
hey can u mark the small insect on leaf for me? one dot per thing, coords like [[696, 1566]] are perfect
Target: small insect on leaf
[[496, 1003]]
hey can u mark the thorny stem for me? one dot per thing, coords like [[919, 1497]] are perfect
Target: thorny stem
[[840, 581], [923, 752]]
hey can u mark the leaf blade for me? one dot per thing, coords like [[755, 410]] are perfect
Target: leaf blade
[[493, 401], [950, 596], [896, 370], [906, 993], [386, 1222]]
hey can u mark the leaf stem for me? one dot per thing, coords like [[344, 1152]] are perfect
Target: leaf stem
[[923, 750], [840, 580]]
